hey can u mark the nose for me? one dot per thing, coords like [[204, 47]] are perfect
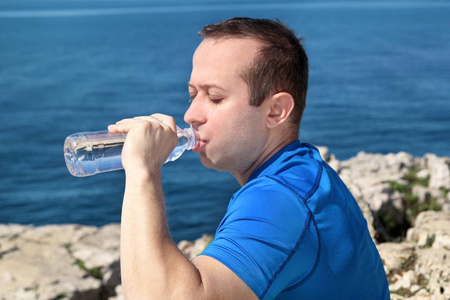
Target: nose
[[195, 114]]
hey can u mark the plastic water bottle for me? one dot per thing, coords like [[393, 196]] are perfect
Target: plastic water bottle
[[89, 153]]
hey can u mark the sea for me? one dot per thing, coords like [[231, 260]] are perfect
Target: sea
[[379, 83]]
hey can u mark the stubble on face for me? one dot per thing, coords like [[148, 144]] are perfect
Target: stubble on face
[[234, 129]]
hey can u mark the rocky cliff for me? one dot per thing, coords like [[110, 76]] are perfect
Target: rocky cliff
[[405, 200]]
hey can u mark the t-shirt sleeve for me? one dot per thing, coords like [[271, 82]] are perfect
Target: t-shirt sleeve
[[265, 225]]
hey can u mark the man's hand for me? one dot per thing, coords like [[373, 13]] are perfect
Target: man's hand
[[150, 140]]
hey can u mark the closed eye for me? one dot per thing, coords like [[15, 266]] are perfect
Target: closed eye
[[192, 97], [215, 99]]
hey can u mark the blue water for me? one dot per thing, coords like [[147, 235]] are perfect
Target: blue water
[[379, 82]]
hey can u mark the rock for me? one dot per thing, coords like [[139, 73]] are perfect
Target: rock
[[446, 204], [433, 269], [191, 250], [370, 218], [439, 171], [100, 252], [421, 192], [66, 261], [82, 262], [431, 229], [119, 293], [396, 256], [423, 174], [368, 177], [324, 153], [404, 282], [419, 267], [386, 167], [36, 263], [397, 186], [329, 158]]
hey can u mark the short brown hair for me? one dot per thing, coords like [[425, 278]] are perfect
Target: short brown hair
[[280, 66]]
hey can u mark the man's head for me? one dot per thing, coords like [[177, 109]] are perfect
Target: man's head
[[281, 64], [242, 89]]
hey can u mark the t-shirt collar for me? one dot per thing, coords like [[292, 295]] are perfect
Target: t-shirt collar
[[289, 147]]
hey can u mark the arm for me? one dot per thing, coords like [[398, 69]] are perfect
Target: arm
[[152, 266]]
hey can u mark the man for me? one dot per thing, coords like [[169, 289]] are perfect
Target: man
[[293, 231]]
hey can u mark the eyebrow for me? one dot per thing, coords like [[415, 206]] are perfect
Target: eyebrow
[[206, 86]]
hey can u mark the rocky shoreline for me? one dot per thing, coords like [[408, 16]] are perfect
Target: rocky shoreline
[[405, 200]]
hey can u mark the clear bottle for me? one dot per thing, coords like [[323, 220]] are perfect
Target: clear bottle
[[89, 153]]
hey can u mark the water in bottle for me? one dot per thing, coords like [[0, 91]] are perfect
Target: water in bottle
[[89, 153]]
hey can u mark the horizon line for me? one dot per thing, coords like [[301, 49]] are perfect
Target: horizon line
[[204, 8]]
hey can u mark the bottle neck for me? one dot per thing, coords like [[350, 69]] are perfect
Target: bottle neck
[[192, 137]]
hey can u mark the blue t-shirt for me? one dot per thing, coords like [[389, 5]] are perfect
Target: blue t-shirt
[[294, 231]]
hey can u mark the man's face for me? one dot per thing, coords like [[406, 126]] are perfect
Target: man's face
[[232, 133]]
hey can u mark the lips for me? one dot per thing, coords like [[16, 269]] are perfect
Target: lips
[[199, 145], [200, 142]]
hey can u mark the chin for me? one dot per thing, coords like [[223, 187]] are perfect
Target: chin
[[210, 164]]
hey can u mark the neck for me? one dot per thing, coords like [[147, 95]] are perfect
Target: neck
[[272, 147]]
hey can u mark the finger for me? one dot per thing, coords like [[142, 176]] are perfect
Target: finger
[[166, 120], [126, 125], [118, 126], [123, 126], [130, 120], [123, 121], [161, 119]]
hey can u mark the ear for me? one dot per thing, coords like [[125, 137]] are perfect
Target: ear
[[281, 106]]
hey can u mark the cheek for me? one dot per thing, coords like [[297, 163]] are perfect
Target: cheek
[[223, 122], [237, 122], [248, 132]]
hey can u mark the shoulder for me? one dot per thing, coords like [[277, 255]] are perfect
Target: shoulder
[[267, 195], [269, 210], [298, 168], [265, 226]]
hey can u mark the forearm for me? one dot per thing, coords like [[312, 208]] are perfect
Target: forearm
[[152, 266]]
